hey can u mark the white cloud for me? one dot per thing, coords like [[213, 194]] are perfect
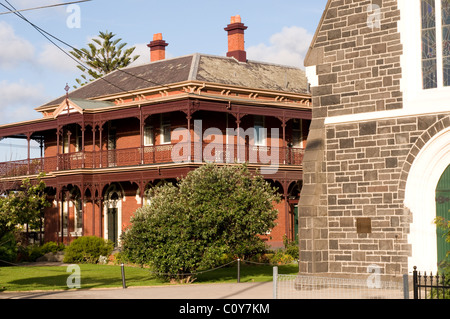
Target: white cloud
[[19, 100], [144, 54], [287, 47], [15, 50], [53, 58]]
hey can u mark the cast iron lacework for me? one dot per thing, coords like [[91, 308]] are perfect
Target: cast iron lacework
[[429, 65], [446, 40]]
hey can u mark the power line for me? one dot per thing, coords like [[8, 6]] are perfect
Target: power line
[[44, 7], [45, 33]]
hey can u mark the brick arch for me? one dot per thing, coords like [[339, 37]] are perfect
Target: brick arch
[[424, 166], [421, 141]]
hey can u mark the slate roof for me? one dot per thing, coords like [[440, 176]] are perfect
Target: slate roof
[[195, 67]]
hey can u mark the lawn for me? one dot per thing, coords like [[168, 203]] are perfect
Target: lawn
[[27, 278]]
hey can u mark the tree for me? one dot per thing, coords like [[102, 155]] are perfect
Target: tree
[[444, 224], [190, 226], [102, 56], [444, 265], [24, 206]]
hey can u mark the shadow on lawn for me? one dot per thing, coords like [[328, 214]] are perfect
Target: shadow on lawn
[[60, 281]]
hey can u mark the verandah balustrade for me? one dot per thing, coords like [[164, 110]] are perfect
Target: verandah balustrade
[[158, 154]]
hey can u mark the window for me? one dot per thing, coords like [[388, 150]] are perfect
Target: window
[[165, 129], [112, 136], [446, 40], [260, 132], [429, 52], [148, 135], [78, 140], [78, 209], [65, 143], [435, 25], [297, 135]]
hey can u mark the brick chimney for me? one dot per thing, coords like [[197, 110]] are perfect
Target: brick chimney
[[236, 42], [157, 48]]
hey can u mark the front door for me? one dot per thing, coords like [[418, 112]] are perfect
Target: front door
[[443, 210], [112, 224]]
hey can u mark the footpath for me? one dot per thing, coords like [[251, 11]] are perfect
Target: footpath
[[257, 290]]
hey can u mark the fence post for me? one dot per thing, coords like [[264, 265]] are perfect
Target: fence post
[[275, 281], [405, 287], [239, 270], [123, 277], [415, 283]]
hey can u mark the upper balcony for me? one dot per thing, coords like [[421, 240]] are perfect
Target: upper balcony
[[154, 155], [99, 129]]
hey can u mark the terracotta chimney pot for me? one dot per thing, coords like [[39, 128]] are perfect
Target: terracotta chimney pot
[[236, 40], [157, 48]]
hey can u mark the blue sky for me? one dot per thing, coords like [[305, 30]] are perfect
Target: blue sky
[[33, 71]]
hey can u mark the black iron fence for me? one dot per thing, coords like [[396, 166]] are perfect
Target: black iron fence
[[430, 286]]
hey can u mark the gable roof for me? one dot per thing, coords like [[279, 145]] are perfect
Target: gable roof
[[195, 67], [313, 55], [72, 105]]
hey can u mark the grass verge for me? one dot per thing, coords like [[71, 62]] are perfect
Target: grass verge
[[29, 278]]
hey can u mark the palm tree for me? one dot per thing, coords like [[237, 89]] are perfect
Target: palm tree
[[103, 55]]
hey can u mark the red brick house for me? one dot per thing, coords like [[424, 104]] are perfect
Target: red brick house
[[104, 145]]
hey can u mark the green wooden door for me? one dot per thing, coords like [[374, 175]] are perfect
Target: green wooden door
[[443, 210], [112, 225]]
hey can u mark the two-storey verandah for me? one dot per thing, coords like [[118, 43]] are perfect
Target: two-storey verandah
[[90, 176]]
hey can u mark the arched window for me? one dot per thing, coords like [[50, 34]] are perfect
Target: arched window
[[435, 26], [77, 210], [113, 212]]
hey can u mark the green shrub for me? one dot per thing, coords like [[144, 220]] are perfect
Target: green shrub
[[87, 250], [52, 247], [213, 214], [8, 249], [292, 250], [32, 252], [281, 257], [444, 273]]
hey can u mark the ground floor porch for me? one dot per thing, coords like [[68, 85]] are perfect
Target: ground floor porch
[[102, 202]]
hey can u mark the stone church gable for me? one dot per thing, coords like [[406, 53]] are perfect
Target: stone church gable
[[354, 208]]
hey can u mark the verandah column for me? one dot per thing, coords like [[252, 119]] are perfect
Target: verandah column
[[83, 160], [93, 144], [238, 138], [58, 134], [284, 147], [286, 208], [28, 152], [58, 197], [93, 213], [68, 198], [188, 118], [68, 158], [141, 125], [100, 129]]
